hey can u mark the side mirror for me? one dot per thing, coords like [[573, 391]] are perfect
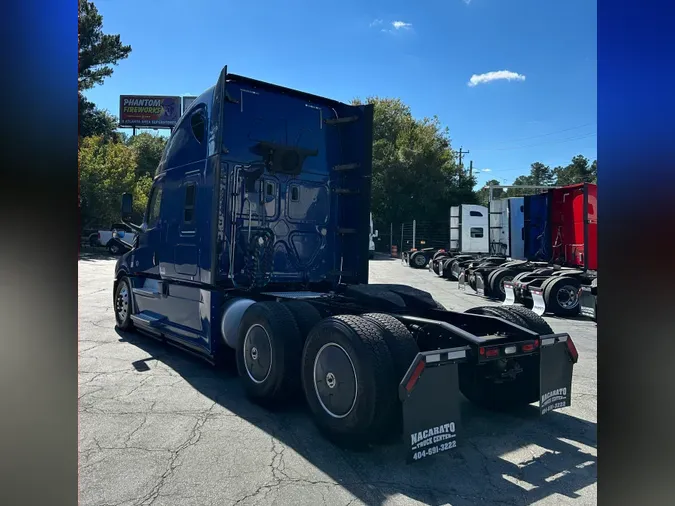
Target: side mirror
[[127, 206]]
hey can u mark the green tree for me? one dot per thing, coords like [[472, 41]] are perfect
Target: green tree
[[93, 121], [149, 149], [107, 169], [579, 170], [415, 175], [98, 52], [540, 175], [483, 195]]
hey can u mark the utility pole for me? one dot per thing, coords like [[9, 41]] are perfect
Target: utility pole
[[461, 152], [471, 168]]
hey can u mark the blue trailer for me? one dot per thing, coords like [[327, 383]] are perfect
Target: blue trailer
[[254, 247]]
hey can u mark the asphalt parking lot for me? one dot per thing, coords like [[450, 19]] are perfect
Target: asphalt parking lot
[[157, 426]]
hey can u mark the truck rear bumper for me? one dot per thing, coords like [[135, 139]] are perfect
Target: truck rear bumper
[[430, 395]]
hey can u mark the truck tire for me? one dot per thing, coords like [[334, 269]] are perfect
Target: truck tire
[[113, 248], [447, 262], [562, 296], [402, 346], [509, 395], [419, 260], [498, 312], [122, 304], [348, 380], [305, 315], [533, 321], [496, 281], [269, 349]]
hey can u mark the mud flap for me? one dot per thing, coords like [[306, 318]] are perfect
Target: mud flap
[[539, 306], [480, 284], [510, 290], [440, 269], [587, 302], [557, 358], [461, 280], [429, 393]]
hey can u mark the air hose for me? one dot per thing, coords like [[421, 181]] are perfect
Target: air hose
[[259, 260]]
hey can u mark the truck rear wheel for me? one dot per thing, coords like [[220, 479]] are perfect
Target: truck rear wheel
[[402, 346], [305, 315], [562, 296], [348, 380], [268, 353], [496, 281], [122, 304], [533, 321], [419, 260]]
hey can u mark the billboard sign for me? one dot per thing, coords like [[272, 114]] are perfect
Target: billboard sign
[[187, 102], [149, 111]]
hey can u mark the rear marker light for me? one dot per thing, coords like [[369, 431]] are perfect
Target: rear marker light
[[510, 350], [492, 352], [433, 358], [415, 376], [528, 347], [573, 350]]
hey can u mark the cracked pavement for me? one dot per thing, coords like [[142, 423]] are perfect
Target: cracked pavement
[[159, 427]]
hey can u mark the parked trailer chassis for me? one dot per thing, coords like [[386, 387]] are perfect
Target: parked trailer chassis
[[540, 286], [395, 338]]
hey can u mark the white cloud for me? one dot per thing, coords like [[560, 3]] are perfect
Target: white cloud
[[467, 2], [375, 22], [507, 75], [485, 170], [401, 24]]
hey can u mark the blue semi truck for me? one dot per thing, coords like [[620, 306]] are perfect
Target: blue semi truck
[[254, 248]]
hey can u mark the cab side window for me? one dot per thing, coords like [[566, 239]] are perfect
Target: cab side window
[[187, 143], [153, 206]]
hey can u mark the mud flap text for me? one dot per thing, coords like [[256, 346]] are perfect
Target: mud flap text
[[555, 374], [431, 398]]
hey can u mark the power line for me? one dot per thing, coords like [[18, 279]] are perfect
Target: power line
[[567, 139], [538, 136]]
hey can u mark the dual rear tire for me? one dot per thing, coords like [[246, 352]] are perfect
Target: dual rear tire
[[348, 367]]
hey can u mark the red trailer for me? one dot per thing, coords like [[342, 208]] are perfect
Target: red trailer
[[569, 283]]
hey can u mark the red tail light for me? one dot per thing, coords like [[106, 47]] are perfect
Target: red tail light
[[528, 347], [572, 350], [492, 352]]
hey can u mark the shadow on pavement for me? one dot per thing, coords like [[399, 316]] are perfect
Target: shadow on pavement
[[516, 458]]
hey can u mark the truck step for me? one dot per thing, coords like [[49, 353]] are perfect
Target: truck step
[[345, 191], [347, 166], [341, 121], [346, 231], [148, 318]]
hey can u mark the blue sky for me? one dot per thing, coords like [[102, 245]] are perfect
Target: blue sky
[[533, 63]]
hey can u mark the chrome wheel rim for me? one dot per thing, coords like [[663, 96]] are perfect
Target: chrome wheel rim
[[257, 353], [122, 302], [335, 382], [567, 297]]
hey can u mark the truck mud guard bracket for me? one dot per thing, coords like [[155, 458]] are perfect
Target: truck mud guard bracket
[[461, 280], [539, 305], [429, 393], [557, 358], [510, 299]]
